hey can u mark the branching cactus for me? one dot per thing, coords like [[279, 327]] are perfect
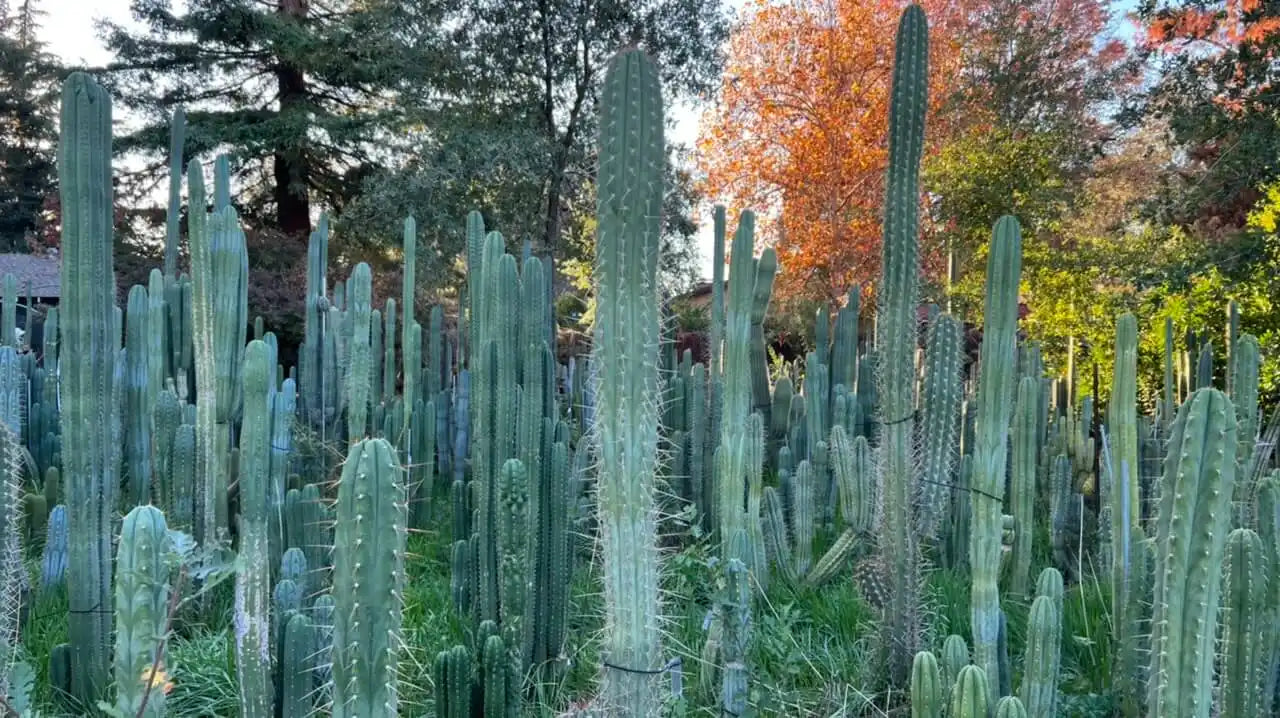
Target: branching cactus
[[1190, 543], [88, 375], [368, 581], [628, 386], [253, 579], [1246, 624], [994, 406], [141, 611]]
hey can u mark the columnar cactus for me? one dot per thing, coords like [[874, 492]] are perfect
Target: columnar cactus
[[969, 694], [89, 343], [141, 610], [942, 396], [1246, 624], [361, 362], [1022, 485], [1039, 690], [896, 341], [628, 386], [1190, 544], [928, 693], [994, 406], [12, 571], [297, 677], [368, 581], [253, 579]]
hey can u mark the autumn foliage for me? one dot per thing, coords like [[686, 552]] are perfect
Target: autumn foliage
[[799, 130]]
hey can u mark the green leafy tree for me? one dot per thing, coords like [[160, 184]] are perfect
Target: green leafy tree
[[509, 128]]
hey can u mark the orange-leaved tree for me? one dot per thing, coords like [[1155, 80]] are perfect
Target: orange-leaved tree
[[798, 132]]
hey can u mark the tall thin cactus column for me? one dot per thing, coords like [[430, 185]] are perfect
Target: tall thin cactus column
[[253, 579], [896, 339], [996, 381], [89, 342], [629, 390]]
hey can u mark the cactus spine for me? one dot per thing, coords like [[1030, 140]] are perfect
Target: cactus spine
[[628, 389], [1190, 543], [1022, 485], [1039, 691], [88, 376], [141, 611], [995, 401], [368, 581]]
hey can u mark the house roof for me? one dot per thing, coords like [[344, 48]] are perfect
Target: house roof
[[43, 273]]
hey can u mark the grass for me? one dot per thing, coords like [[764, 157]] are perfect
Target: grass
[[814, 651]]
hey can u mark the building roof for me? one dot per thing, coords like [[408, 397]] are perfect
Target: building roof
[[44, 273]]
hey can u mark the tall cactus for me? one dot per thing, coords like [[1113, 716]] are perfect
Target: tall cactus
[[994, 405], [142, 607], [629, 389], [942, 396], [12, 577], [253, 579], [1190, 542], [361, 360], [896, 340], [1022, 485], [88, 376], [368, 581]]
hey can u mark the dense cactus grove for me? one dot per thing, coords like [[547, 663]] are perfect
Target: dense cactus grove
[[162, 473]]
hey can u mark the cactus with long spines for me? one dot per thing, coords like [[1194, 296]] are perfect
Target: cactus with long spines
[[297, 677], [88, 376], [12, 570], [1190, 545], [942, 395], [141, 609], [628, 389], [896, 341], [1247, 628], [368, 581]]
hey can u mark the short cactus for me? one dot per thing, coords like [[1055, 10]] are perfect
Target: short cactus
[[928, 693], [141, 609]]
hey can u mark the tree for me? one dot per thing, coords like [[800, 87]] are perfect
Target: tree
[[299, 92], [511, 129], [798, 132], [29, 80], [1215, 94]]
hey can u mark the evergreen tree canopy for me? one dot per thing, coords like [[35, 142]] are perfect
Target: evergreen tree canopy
[[28, 103]]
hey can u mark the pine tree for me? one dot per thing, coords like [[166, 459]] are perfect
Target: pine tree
[[296, 90], [28, 100]]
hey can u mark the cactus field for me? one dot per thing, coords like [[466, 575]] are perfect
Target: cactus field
[[458, 515]]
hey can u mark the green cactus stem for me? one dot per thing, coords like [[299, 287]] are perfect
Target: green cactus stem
[[628, 388], [928, 694], [88, 375], [368, 581], [141, 610], [1246, 624], [1190, 545], [253, 579]]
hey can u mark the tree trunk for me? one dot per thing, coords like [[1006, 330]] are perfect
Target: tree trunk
[[290, 162]]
